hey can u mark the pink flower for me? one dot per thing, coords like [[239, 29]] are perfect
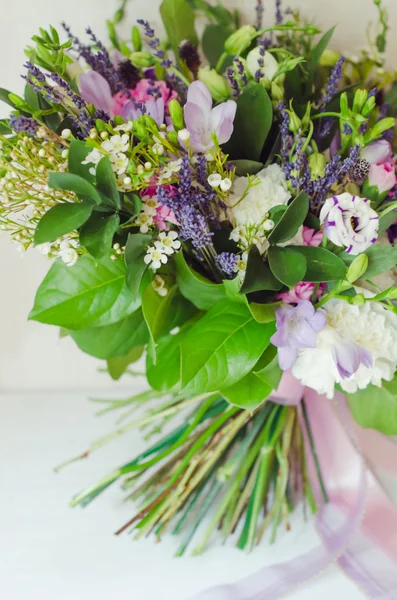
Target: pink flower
[[302, 291], [141, 94], [383, 176], [163, 216], [311, 237], [378, 153], [202, 121]]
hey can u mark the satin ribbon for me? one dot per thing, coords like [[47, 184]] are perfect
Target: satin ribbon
[[357, 527]]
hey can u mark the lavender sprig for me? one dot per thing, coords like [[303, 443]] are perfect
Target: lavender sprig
[[331, 86]]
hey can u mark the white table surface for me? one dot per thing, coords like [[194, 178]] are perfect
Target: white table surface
[[49, 551]]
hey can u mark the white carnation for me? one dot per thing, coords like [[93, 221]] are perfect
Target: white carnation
[[372, 326]]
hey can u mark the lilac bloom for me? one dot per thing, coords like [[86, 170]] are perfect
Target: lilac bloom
[[202, 121], [95, 90], [348, 356], [351, 222], [154, 108], [296, 329]]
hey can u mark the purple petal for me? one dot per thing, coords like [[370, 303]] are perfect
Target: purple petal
[[199, 94], [222, 118], [348, 356], [156, 109], [95, 90], [197, 124], [286, 357], [129, 111], [318, 321]]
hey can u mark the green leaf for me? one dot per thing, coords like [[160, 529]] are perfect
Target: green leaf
[[252, 124], [97, 234], [247, 167], [113, 340], [118, 365], [213, 42], [258, 276], [32, 97], [88, 294], [195, 287], [5, 129], [135, 251], [165, 374], [314, 59], [291, 220], [74, 183], [287, 265], [60, 220], [78, 152], [222, 347], [178, 19], [264, 313], [106, 182], [4, 97], [248, 393], [322, 265], [380, 259], [232, 289], [268, 369], [376, 408], [386, 222]]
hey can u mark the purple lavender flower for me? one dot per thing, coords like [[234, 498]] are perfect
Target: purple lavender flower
[[202, 121], [23, 124], [227, 262], [154, 43], [279, 14], [153, 108], [331, 87], [296, 329], [259, 9]]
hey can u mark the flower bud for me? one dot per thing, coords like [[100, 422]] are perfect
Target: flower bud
[[358, 300], [295, 123], [357, 268], [136, 39], [329, 58], [382, 126], [368, 106], [216, 84], [317, 164], [142, 60], [176, 114], [277, 92], [240, 40], [360, 98], [267, 65]]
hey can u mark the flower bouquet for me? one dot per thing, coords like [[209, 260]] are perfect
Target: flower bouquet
[[229, 210]]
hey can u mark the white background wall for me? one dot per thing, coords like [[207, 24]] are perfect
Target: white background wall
[[31, 355]]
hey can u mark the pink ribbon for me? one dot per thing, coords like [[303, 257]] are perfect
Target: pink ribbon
[[357, 527]]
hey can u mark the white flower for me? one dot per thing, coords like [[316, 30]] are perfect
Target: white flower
[[184, 135], [270, 66], [172, 167], [45, 249], [159, 286], [169, 242], [93, 157], [119, 163], [155, 256], [144, 221], [158, 149], [68, 253], [350, 221], [226, 184], [215, 180], [116, 144], [241, 266], [370, 325]]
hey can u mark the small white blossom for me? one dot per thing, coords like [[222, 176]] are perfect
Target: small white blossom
[[158, 149], [171, 168], [45, 249], [215, 180], [226, 184], [93, 157], [159, 286], [184, 135], [66, 134], [119, 163], [268, 225], [67, 252], [169, 242], [144, 221], [155, 256], [116, 144]]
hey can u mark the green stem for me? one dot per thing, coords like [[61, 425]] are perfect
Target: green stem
[[314, 451]]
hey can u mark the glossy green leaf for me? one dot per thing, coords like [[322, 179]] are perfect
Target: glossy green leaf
[[268, 369], [135, 251], [264, 313], [60, 220], [166, 373], [252, 124], [178, 19], [287, 265], [78, 152], [118, 365], [248, 393], [386, 221], [322, 265], [315, 57], [74, 183], [291, 220], [202, 292], [113, 340], [97, 234], [89, 294], [376, 408], [380, 259], [258, 276], [106, 182], [222, 347], [213, 42], [4, 97], [232, 289], [247, 167]]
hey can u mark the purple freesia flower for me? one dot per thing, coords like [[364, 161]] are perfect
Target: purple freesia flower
[[296, 329], [202, 121], [350, 221], [95, 90], [154, 108], [348, 356]]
